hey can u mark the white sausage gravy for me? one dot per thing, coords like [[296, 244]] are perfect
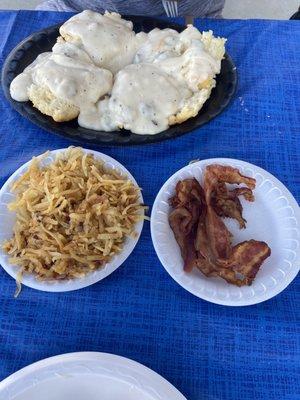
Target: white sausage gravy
[[119, 79]]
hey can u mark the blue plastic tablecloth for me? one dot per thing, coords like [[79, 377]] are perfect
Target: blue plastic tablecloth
[[206, 351]]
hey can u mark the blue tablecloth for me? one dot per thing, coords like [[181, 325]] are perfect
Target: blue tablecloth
[[206, 351]]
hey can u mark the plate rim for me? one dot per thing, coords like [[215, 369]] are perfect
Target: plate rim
[[140, 139], [89, 356], [60, 287], [266, 174]]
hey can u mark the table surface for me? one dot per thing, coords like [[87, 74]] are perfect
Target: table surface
[[207, 351]]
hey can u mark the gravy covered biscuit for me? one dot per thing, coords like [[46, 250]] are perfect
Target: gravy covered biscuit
[[111, 78], [47, 103], [61, 86], [143, 97], [108, 39]]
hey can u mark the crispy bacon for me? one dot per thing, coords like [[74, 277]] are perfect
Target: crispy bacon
[[241, 267], [227, 174], [183, 227], [218, 236], [188, 203], [203, 238], [187, 192], [225, 202], [246, 259], [243, 191], [190, 197], [206, 267]]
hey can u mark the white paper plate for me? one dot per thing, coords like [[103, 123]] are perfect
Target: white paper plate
[[87, 376], [274, 217], [8, 220]]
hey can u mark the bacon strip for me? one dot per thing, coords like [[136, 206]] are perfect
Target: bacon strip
[[188, 204], [246, 259], [227, 174], [183, 227], [218, 236], [227, 204], [224, 201], [203, 238]]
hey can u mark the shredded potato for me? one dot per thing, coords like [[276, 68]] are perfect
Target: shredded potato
[[72, 216]]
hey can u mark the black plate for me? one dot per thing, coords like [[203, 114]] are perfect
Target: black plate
[[42, 41]]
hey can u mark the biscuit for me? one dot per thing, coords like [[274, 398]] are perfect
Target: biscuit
[[47, 103], [191, 106]]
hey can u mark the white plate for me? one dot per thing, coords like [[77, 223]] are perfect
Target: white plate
[[274, 217], [8, 220], [87, 376]]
